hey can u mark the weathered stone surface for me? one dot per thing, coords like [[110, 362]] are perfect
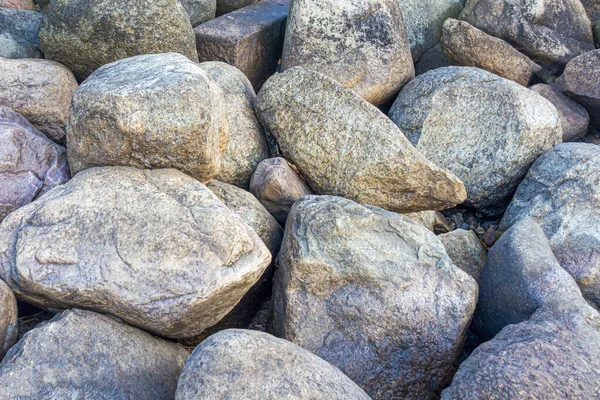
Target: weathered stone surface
[[432, 59], [155, 248], [360, 43], [18, 4], [424, 19], [344, 146], [574, 119], [19, 33], [40, 90], [149, 111], [31, 164], [561, 193], [241, 364], [373, 293], [581, 80], [199, 11], [548, 31], [277, 186], [463, 44], [83, 355], [227, 6], [85, 35], [485, 129], [250, 39], [465, 250], [8, 319], [247, 144]]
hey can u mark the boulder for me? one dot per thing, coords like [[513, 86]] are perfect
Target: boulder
[[485, 129], [277, 186], [373, 293], [199, 11], [18, 4], [19, 33], [432, 59], [40, 90], [581, 81], [227, 6], [85, 35], [344, 146], [463, 44], [241, 364], [171, 258], [247, 142], [83, 355], [550, 32], [149, 111], [31, 163], [465, 250], [561, 193], [360, 43], [8, 319]]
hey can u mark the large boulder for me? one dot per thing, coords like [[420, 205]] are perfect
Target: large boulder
[[373, 293], [8, 319], [360, 43], [247, 144], [149, 111], [344, 146], [155, 248], [550, 32], [19, 33], [85, 35], [40, 90], [561, 193], [241, 364], [465, 250], [199, 11], [485, 129], [83, 355], [31, 164]]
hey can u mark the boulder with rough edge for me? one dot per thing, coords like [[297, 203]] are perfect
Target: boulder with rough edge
[[373, 293], [83, 355], [344, 146], [247, 144], [561, 193], [277, 186], [8, 319], [149, 111], [241, 364], [465, 250], [199, 11], [40, 90], [31, 164], [485, 129], [18, 4], [360, 43], [227, 6], [19, 33], [172, 259], [85, 35]]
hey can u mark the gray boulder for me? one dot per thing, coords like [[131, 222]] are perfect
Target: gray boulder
[[227, 6], [247, 144], [149, 111], [31, 164], [19, 33], [8, 319], [465, 250], [360, 43], [373, 293], [485, 129], [344, 146], [85, 35], [155, 248], [39, 90], [83, 355], [240, 364], [199, 11]]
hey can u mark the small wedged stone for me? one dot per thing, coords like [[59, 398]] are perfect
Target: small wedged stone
[[465, 250], [19, 33], [8, 319], [199, 11], [432, 59]]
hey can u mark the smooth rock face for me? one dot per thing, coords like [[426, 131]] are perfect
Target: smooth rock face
[[581, 80], [574, 119], [463, 44], [277, 186], [8, 319], [31, 164], [247, 144], [85, 35], [344, 146], [548, 31], [373, 293], [19, 33], [149, 111], [83, 355], [360, 43], [227, 6], [424, 19], [40, 90], [171, 258], [561, 193], [465, 250], [18, 4], [485, 129], [199, 11], [241, 364]]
